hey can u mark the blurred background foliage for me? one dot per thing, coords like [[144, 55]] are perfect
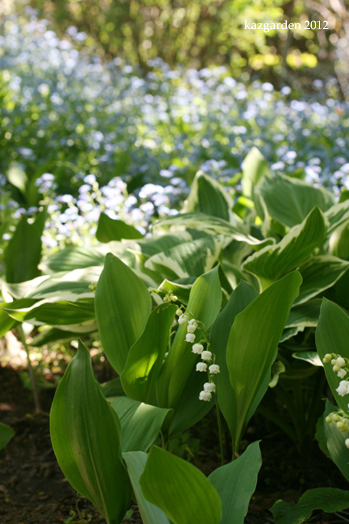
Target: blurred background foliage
[[203, 33]]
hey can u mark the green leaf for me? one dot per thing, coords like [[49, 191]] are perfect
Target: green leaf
[[242, 296], [179, 489], [23, 252], [308, 356], [112, 388], [273, 262], [254, 167], [178, 288], [213, 226], [337, 215], [71, 258], [335, 441], [328, 500], [204, 305], [146, 356], [339, 241], [140, 423], [6, 322], [253, 342], [208, 196], [17, 177], [86, 435], [319, 273], [236, 483], [153, 245], [151, 514], [304, 315], [331, 336], [6, 433], [290, 200], [122, 305], [109, 229], [187, 259]]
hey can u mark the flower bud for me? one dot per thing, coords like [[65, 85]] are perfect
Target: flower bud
[[201, 366], [210, 387], [205, 395], [179, 312], [182, 319], [328, 419], [340, 362], [190, 337], [347, 442], [336, 368], [197, 348], [327, 358], [191, 328]]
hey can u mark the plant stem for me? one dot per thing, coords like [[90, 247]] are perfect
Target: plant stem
[[30, 370], [220, 432]]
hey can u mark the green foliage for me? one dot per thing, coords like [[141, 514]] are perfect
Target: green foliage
[[6, 433]]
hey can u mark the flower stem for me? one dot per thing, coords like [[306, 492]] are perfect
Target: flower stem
[[220, 432], [30, 370]]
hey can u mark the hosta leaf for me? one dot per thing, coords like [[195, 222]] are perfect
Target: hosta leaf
[[179, 489], [213, 226], [6, 322], [122, 305], [51, 311], [236, 483], [152, 246], [71, 258], [253, 342], [6, 433], [254, 167], [242, 296], [178, 288], [140, 423], [86, 435], [23, 252], [290, 200], [319, 273], [332, 336], [204, 305], [208, 196], [337, 215], [188, 259], [304, 315], [272, 262], [109, 230], [327, 499], [151, 514], [339, 241], [309, 356], [335, 441], [146, 356]]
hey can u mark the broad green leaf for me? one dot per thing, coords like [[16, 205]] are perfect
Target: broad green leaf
[[273, 262], [109, 229], [204, 305], [337, 215], [62, 335], [190, 259], [309, 356], [51, 311], [6, 433], [146, 356], [208, 196], [339, 241], [242, 296], [290, 200], [6, 322], [290, 332], [254, 167], [23, 252], [179, 489], [335, 441], [153, 245], [140, 423], [253, 342], [178, 288], [151, 514], [319, 273], [213, 226], [189, 409], [304, 315], [113, 388], [329, 500], [122, 305], [71, 258], [332, 336], [86, 436], [236, 483]]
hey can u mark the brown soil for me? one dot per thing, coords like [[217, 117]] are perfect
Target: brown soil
[[33, 489]]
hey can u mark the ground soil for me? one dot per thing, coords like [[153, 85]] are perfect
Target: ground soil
[[33, 489]]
